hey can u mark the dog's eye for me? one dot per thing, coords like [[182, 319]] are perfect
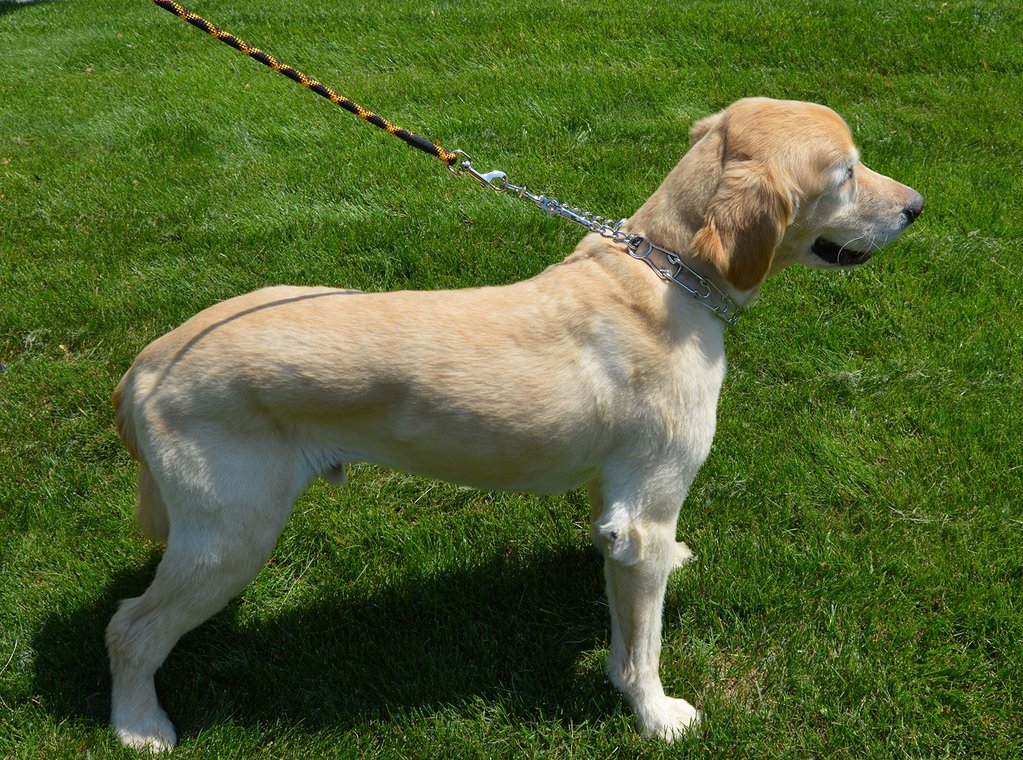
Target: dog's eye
[[848, 176]]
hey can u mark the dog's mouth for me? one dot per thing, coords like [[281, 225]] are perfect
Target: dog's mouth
[[833, 253]]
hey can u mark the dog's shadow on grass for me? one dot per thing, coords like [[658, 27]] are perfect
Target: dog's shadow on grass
[[518, 632]]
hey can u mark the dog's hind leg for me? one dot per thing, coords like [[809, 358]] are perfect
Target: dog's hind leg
[[219, 537], [639, 552]]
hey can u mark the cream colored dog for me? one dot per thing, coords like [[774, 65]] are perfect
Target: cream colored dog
[[595, 372]]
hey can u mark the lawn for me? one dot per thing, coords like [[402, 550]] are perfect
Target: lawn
[[859, 523]]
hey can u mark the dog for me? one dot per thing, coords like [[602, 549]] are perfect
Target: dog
[[600, 371]]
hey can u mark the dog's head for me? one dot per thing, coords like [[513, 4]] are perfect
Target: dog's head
[[769, 183]]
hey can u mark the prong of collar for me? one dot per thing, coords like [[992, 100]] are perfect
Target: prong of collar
[[704, 291]]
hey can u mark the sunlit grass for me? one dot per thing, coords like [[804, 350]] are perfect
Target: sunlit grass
[[858, 524]]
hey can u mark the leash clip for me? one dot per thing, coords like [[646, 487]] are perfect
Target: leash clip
[[495, 180]]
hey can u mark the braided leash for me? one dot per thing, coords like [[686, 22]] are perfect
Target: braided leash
[[319, 88], [459, 163]]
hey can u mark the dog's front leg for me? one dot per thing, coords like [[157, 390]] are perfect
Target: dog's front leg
[[639, 553], [683, 554]]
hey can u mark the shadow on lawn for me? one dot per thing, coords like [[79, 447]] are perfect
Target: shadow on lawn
[[509, 630]]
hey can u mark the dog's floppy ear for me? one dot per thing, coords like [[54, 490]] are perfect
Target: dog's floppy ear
[[744, 223]]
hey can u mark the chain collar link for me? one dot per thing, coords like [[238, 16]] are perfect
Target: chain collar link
[[706, 293]]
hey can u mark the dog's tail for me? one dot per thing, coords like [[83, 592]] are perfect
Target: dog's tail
[[150, 510]]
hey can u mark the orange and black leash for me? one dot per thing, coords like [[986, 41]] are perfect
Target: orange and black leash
[[319, 88], [459, 162]]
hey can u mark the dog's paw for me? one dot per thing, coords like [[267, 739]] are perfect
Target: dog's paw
[[667, 719], [683, 555], [154, 735]]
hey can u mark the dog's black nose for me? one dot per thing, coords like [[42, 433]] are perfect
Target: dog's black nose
[[914, 208]]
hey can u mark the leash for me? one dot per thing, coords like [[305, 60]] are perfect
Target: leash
[[459, 163], [319, 88]]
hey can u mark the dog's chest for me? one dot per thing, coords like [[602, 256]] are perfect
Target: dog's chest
[[681, 404]]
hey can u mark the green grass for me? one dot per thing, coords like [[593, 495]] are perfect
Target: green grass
[[859, 590]]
